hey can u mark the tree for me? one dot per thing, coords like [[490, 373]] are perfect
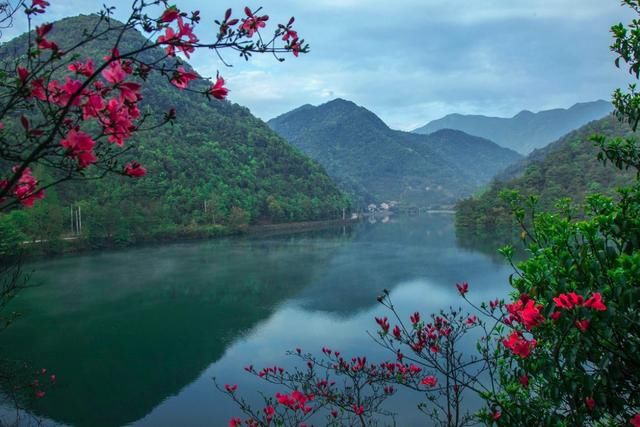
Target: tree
[[73, 115]]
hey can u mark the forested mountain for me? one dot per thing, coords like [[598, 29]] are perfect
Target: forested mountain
[[216, 152], [566, 168], [375, 163], [525, 131]]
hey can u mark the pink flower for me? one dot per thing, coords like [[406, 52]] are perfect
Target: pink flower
[[114, 73], [135, 169], [429, 381], [231, 388], [235, 422], [555, 316], [290, 34], [358, 410], [635, 421], [218, 90], [383, 323], [463, 288], [495, 416], [253, 23], [83, 68], [181, 78], [471, 320], [40, 394], [79, 145]]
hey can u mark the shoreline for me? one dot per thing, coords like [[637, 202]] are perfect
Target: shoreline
[[35, 250]]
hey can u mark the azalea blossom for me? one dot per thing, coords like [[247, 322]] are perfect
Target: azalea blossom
[[135, 170], [429, 381], [519, 345], [218, 90], [463, 288], [182, 77]]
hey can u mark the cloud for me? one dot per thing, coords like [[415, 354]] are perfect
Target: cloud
[[411, 61]]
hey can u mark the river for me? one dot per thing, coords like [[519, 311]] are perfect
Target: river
[[135, 336]]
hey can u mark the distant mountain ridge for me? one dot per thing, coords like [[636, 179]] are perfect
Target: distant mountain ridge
[[525, 131], [375, 163], [566, 168]]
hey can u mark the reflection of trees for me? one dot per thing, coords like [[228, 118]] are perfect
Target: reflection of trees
[[385, 255], [126, 330]]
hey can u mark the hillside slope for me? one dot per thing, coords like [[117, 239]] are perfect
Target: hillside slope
[[566, 168], [217, 152], [375, 163], [525, 131]]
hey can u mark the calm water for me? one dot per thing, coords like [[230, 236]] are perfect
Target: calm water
[[136, 336]]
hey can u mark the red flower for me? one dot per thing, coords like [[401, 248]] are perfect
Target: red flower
[[40, 394], [358, 410], [383, 323], [169, 15], [524, 381], [463, 288], [231, 388], [568, 301], [471, 320], [591, 404], [555, 315], [635, 421], [136, 170], [218, 90], [429, 381], [269, 412], [290, 34], [295, 47], [495, 416], [235, 422], [415, 318], [530, 315], [396, 332], [595, 302], [23, 74], [519, 345], [583, 325]]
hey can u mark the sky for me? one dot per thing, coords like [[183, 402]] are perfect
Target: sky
[[412, 61]]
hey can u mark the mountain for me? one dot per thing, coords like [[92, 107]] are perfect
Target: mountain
[[375, 163], [566, 168], [216, 152], [525, 131]]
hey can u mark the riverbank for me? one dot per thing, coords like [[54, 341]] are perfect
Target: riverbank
[[80, 244]]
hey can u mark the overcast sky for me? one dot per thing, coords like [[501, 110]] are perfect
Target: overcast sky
[[412, 61]]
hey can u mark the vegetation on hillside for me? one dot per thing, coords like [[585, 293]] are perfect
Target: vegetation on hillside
[[375, 163], [568, 168], [216, 153]]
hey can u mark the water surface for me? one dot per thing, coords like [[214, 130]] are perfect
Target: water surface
[[136, 336]]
